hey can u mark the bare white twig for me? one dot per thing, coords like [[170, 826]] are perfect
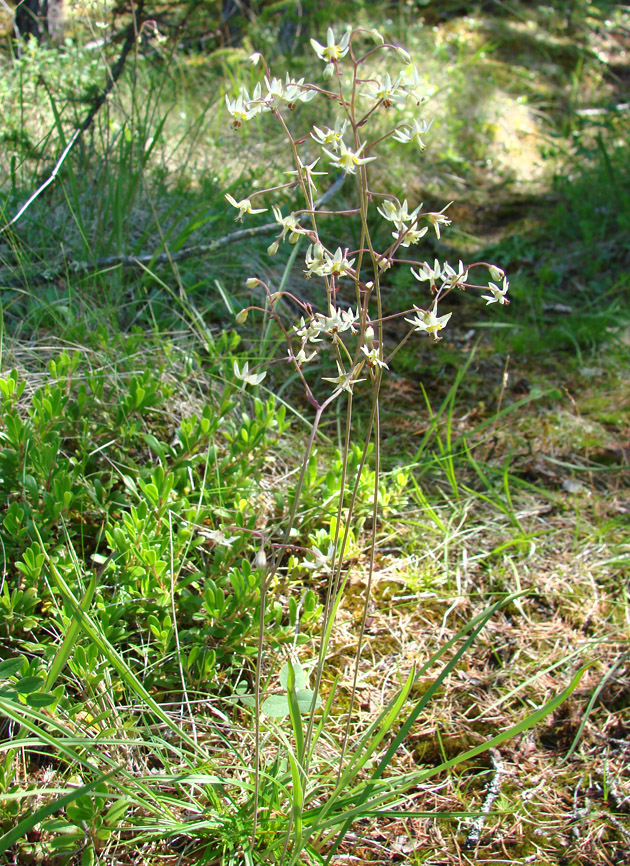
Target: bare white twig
[[46, 183], [494, 789]]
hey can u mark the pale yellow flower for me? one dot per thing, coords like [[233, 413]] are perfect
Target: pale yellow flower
[[244, 206]]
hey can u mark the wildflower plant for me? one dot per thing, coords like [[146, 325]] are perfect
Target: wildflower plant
[[352, 335]]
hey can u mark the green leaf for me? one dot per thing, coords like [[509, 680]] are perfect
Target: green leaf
[[10, 667], [307, 700], [29, 684], [117, 810], [63, 653], [300, 676], [276, 706], [40, 699]]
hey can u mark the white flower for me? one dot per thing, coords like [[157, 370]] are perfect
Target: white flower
[[290, 91], [411, 82], [413, 132], [333, 51], [427, 321], [320, 262], [497, 295], [307, 173], [338, 321], [315, 260], [387, 91], [454, 277], [347, 159], [429, 273], [343, 381], [331, 137], [372, 357], [302, 358], [409, 235], [289, 225], [217, 536], [340, 265], [322, 562], [244, 206], [245, 376], [438, 219], [399, 214], [242, 108]]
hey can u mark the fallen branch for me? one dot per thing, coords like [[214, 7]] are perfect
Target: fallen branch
[[50, 273]]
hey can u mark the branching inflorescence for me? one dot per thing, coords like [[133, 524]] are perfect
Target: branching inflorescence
[[346, 147]]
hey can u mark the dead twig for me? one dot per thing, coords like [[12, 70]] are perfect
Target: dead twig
[[493, 791]]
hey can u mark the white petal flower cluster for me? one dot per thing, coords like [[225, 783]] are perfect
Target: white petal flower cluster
[[289, 91], [243, 108], [413, 132], [330, 137], [332, 325], [396, 92], [319, 262], [446, 275], [388, 91], [398, 214], [427, 321], [406, 223], [336, 322]]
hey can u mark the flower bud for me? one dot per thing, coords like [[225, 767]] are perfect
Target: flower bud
[[255, 58], [404, 55], [376, 36], [252, 282], [496, 273], [369, 334], [261, 560], [241, 316], [272, 249]]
